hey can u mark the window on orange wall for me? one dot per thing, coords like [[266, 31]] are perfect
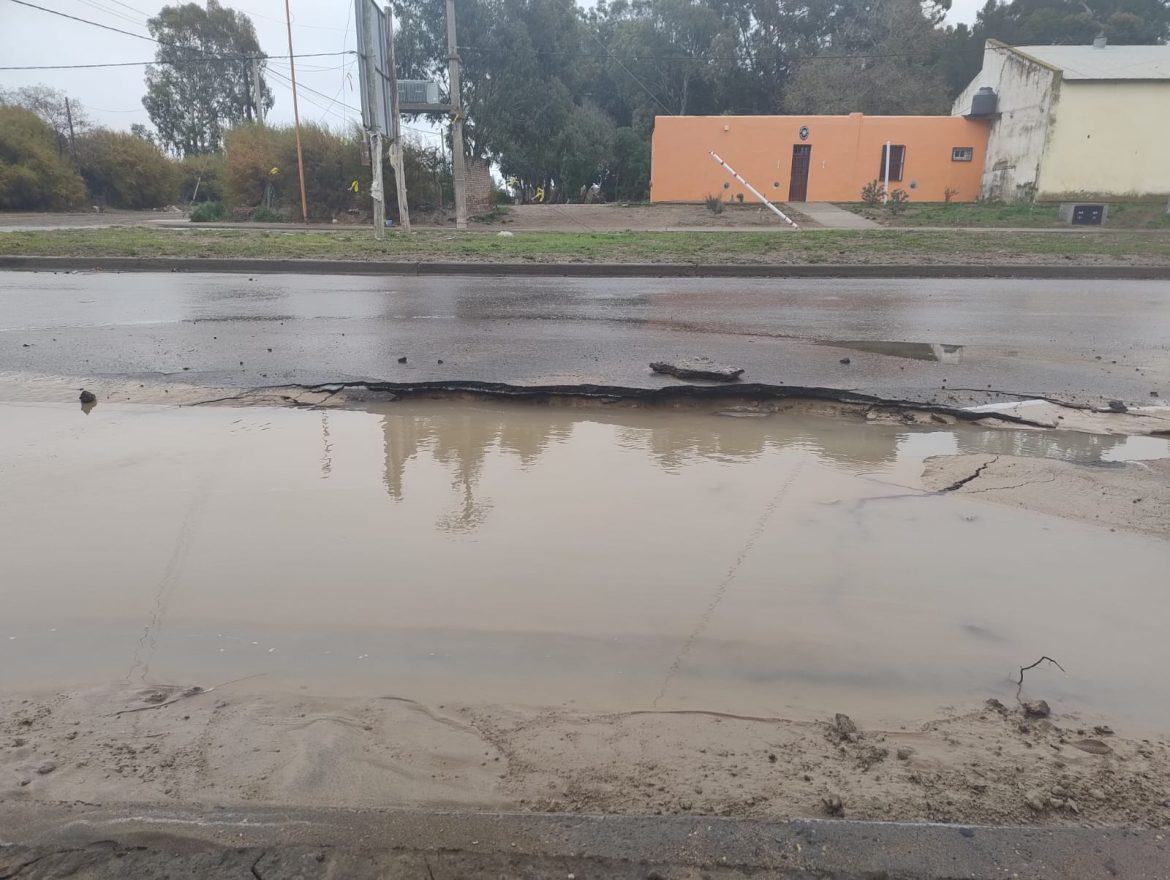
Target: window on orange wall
[[897, 161]]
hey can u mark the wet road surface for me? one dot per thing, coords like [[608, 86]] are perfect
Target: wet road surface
[[924, 340]]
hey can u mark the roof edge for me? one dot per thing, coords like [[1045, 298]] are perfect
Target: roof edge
[[998, 44]]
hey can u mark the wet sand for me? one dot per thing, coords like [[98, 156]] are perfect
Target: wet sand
[[228, 746], [416, 590]]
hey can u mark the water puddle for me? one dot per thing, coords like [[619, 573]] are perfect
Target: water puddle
[[919, 351], [600, 558]]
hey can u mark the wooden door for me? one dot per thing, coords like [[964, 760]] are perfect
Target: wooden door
[[798, 184]]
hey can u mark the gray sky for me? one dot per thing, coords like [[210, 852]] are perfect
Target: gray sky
[[113, 96]]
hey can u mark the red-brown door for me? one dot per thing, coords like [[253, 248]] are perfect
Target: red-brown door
[[798, 185]]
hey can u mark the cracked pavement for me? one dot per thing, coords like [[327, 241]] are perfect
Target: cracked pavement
[[947, 342]]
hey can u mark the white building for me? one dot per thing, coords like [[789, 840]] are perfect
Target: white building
[[1070, 122]]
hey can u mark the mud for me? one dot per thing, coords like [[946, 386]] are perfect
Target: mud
[[571, 608]]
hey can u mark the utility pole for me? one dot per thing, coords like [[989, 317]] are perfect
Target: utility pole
[[257, 91], [396, 127], [458, 160], [292, 66], [249, 100], [370, 78], [378, 185], [72, 143]]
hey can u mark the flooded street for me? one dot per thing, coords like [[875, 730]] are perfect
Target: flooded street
[[596, 559]]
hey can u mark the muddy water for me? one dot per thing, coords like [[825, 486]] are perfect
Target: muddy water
[[598, 558]]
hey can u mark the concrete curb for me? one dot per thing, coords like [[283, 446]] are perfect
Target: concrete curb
[[575, 270], [797, 848]]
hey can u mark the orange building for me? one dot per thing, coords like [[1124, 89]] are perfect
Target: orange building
[[816, 158]]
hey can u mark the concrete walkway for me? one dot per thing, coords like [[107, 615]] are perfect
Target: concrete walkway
[[829, 216]]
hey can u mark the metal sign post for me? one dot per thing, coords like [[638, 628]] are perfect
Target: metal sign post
[[377, 112]]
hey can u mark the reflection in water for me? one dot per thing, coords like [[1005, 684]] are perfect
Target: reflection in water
[[463, 437], [326, 447], [919, 351], [1067, 445]]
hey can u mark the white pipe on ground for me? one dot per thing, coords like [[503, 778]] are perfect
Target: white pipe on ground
[[755, 192]]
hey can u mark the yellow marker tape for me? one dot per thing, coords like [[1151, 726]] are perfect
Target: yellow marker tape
[[353, 187]]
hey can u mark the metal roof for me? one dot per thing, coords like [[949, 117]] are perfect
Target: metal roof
[[1111, 62]]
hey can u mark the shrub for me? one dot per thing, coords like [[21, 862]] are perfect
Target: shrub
[[873, 193], [898, 202], [714, 204], [33, 173], [126, 171], [208, 212], [266, 215], [202, 178], [253, 154], [949, 194]]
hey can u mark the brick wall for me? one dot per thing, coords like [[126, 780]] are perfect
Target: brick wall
[[479, 188]]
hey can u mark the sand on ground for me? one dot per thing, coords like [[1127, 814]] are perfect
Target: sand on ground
[[983, 764]]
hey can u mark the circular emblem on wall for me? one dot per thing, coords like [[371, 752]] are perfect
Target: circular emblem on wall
[[804, 132]]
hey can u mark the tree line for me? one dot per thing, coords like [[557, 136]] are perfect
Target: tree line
[[51, 159], [556, 96], [562, 97]]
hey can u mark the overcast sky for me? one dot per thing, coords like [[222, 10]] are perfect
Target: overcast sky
[[113, 96]]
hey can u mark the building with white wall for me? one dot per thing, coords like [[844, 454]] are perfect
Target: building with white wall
[[1073, 122]]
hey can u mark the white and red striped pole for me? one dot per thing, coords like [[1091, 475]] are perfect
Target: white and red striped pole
[[755, 192]]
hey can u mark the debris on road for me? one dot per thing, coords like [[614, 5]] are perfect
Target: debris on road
[[87, 396], [833, 805], [1037, 709], [698, 368]]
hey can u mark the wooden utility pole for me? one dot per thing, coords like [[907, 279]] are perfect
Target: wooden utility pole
[[378, 185], [396, 127], [369, 73], [458, 160], [69, 118], [292, 66], [257, 91]]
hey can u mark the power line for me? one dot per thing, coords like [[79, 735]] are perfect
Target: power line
[[114, 12], [128, 6], [645, 87], [177, 63], [85, 21], [705, 59]]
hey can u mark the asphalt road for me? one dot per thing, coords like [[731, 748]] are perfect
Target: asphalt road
[[1085, 340], [153, 841]]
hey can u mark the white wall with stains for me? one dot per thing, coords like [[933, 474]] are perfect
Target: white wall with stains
[[1027, 91]]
